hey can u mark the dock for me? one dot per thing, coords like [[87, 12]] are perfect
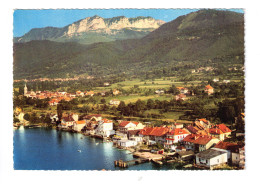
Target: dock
[[125, 164]]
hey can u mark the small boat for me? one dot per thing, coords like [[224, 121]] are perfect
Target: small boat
[[97, 143], [79, 151]]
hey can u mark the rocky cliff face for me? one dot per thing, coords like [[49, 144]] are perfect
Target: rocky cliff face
[[95, 29], [99, 24]]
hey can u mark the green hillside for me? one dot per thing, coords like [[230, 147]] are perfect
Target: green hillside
[[198, 36]]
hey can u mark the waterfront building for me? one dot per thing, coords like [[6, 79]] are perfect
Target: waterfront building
[[79, 125], [104, 128], [174, 136], [211, 158], [154, 135]]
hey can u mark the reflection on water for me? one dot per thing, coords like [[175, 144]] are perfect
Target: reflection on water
[[48, 149]]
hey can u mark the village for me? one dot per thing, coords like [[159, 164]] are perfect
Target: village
[[198, 144]]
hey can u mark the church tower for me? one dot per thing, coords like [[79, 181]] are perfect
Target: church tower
[[25, 90]]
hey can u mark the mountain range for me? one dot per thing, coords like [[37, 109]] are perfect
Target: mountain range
[[198, 36], [95, 29]]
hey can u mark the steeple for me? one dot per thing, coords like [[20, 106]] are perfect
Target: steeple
[[25, 89]]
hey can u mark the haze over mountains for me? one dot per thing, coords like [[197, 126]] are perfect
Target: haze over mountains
[[199, 36], [95, 29]]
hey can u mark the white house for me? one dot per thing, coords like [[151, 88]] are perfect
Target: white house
[[79, 125], [126, 143], [104, 128], [174, 136], [54, 118], [211, 158], [67, 122], [114, 102], [130, 125]]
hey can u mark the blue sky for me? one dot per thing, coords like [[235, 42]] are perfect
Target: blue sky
[[25, 20]]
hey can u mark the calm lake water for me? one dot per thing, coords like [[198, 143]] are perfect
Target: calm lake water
[[48, 149]]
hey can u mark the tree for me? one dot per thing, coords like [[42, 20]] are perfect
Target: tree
[[26, 117], [59, 111], [103, 101], [150, 104]]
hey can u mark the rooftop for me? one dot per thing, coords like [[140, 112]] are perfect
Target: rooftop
[[210, 153]]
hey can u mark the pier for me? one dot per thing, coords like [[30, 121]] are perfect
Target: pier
[[125, 164]]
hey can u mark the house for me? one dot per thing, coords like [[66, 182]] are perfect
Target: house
[[90, 127], [183, 90], [116, 92], [67, 122], [54, 118], [216, 80], [106, 84], [211, 158], [180, 97], [114, 102], [104, 128], [226, 81], [233, 152], [174, 136], [217, 133], [159, 91], [78, 125], [242, 157], [53, 102], [126, 143], [192, 129], [202, 122], [125, 126], [226, 131], [209, 90], [198, 142], [20, 116], [90, 93], [154, 134]]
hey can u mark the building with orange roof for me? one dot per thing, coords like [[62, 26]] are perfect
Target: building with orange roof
[[183, 90], [202, 123], [129, 125], [224, 129], [216, 132], [154, 134], [79, 125], [209, 89], [198, 143], [116, 92], [174, 136]]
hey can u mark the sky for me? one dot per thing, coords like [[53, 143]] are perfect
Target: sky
[[25, 20]]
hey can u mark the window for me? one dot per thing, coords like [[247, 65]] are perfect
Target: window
[[218, 160]]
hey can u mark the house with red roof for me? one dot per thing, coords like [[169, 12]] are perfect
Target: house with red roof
[[154, 134], [174, 136], [129, 125], [198, 142], [217, 133], [224, 129], [116, 92], [183, 90], [233, 150], [79, 125], [209, 89]]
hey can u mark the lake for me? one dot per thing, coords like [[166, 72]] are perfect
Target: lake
[[48, 149]]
